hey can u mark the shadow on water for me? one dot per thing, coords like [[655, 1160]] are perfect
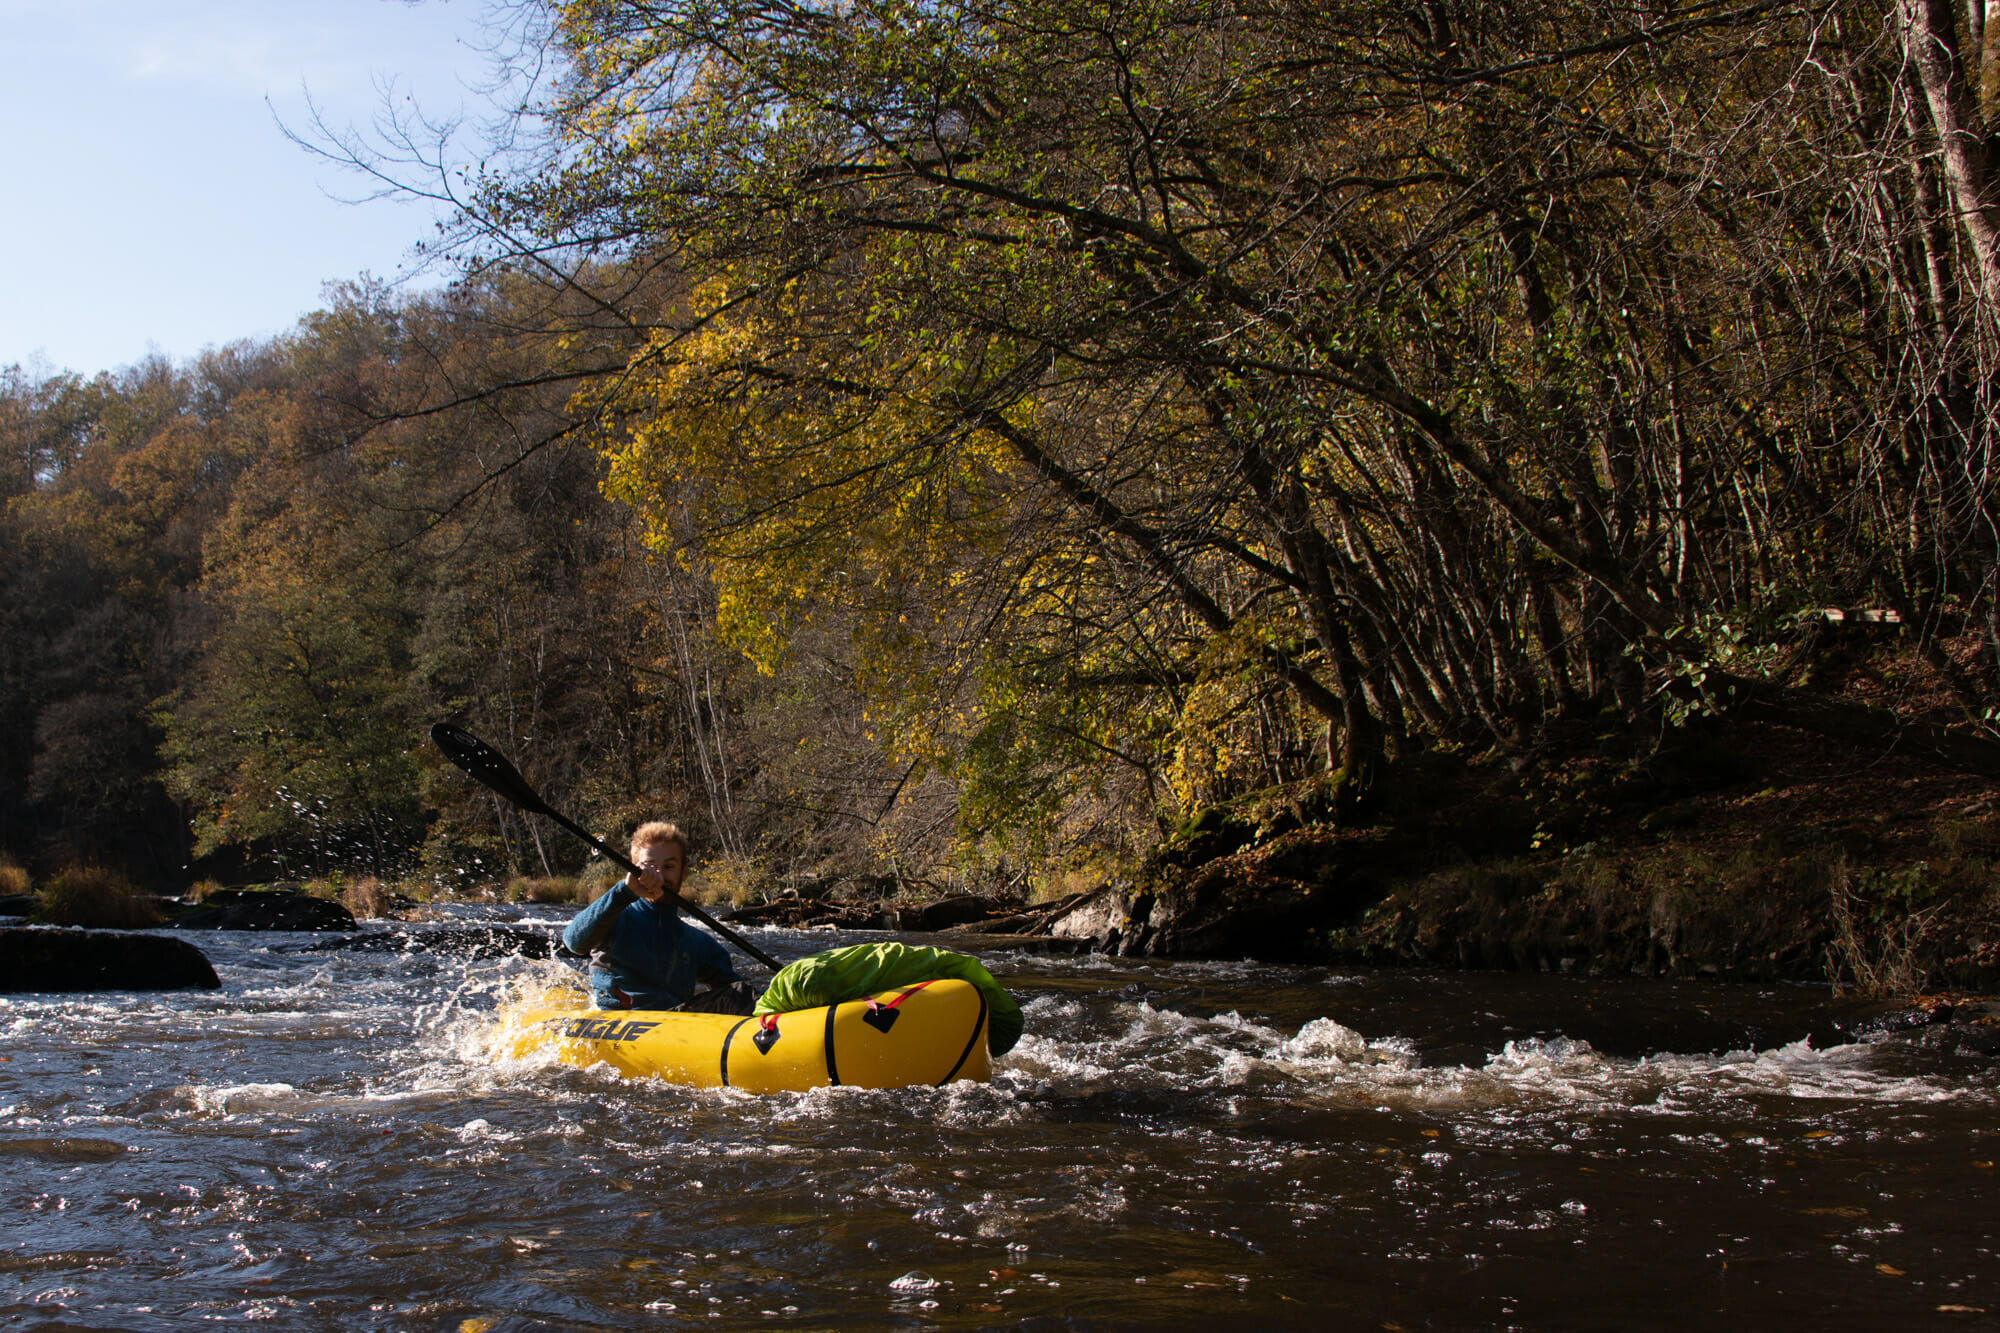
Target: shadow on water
[[1458, 1018]]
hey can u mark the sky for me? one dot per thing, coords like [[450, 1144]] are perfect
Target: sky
[[152, 202]]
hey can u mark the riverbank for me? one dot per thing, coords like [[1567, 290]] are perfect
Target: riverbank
[[1752, 852], [1746, 851], [1755, 853]]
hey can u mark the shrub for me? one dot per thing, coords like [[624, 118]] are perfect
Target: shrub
[[203, 891], [1882, 921], [731, 881], [599, 874], [96, 897], [14, 879], [367, 898], [522, 889]]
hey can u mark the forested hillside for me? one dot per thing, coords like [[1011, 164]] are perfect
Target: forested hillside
[[899, 436], [236, 592]]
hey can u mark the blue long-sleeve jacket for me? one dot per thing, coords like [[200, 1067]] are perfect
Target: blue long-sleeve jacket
[[642, 955]]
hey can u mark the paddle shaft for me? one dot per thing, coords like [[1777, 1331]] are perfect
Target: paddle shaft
[[481, 761], [745, 945]]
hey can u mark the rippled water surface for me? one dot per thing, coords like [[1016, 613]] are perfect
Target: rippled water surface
[[328, 1142]]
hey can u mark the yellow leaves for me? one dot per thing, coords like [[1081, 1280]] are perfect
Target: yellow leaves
[[809, 488], [749, 623], [1225, 722]]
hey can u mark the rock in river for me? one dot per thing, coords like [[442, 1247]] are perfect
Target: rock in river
[[98, 960], [261, 909]]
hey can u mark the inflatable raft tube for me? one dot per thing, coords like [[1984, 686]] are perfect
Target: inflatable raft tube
[[923, 1035]]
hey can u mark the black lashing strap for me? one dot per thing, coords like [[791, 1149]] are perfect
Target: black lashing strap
[[978, 1028], [832, 1072], [731, 1036], [880, 1016]]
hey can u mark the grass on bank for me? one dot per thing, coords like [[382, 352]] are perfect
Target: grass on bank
[[547, 890], [367, 898], [95, 897], [1772, 910]]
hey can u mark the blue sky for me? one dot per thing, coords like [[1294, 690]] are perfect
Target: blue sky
[[152, 201]]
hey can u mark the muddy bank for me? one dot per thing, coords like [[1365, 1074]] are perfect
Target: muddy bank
[[1756, 854]]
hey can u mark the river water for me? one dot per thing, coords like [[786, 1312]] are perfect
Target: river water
[[328, 1142]]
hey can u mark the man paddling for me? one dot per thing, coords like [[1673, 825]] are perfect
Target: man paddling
[[642, 955]]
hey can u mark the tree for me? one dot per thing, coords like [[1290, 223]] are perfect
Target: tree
[[289, 732], [1443, 373], [99, 547]]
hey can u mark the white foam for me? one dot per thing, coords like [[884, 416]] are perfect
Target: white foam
[[484, 1131], [1323, 1041], [241, 1098]]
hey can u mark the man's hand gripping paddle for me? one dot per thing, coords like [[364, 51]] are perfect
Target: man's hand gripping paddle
[[487, 766]]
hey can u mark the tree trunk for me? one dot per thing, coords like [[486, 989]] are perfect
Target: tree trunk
[[1966, 148]]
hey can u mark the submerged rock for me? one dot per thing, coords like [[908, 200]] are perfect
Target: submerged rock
[[1965, 1023], [263, 909], [92, 960], [66, 1149]]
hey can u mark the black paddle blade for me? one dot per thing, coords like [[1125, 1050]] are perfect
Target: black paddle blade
[[487, 765]]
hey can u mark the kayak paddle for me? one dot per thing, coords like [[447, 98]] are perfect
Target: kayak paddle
[[488, 766]]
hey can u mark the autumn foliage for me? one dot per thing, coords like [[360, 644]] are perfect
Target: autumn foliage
[[906, 437]]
